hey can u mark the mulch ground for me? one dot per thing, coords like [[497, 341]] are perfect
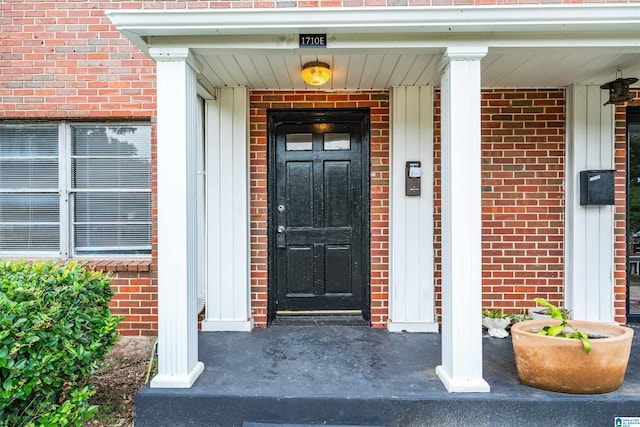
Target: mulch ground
[[123, 373]]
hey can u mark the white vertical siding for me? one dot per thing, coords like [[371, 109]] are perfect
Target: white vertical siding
[[589, 252], [411, 288], [228, 257], [201, 210]]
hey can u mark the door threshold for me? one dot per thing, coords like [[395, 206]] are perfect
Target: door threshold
[[320, 317], [319, 313]]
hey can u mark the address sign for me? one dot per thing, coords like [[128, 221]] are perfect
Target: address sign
[[313, 40]]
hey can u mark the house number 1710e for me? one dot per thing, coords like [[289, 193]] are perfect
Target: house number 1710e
[[313, 40]]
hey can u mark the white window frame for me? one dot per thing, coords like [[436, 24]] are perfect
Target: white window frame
[[64, 182], [66, 193]]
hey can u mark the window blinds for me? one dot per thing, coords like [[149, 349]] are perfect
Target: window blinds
[[29, 189]]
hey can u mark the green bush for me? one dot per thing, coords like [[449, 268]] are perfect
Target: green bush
[[55, 329]]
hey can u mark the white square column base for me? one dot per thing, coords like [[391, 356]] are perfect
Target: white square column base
[[474, 385], [178, 381]]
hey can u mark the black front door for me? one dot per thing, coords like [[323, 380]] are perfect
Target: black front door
[[319, 210]]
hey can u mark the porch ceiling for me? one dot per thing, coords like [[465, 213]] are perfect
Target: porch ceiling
[[377, 48], [502, 67]]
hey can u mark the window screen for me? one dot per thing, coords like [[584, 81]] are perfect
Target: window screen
[[110, 186]]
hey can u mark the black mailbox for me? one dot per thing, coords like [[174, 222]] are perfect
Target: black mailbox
[[413, 172], [597, 187]]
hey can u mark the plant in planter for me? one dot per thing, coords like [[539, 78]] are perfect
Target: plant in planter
[[578, 357], [496, 322], [564, 329]]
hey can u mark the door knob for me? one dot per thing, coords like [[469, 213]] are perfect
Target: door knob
[[281, 238]]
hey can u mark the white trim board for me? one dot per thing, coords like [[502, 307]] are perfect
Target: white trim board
[[570, 22]]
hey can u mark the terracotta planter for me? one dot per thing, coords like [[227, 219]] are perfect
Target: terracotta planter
[[561, 364]]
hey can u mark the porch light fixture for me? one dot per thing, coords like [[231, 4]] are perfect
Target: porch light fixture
[[619, 89], [316, 73]]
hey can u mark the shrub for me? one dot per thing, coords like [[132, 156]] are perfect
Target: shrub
[[55, 329]]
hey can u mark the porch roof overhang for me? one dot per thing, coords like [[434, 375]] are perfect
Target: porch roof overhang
[[376, 48]]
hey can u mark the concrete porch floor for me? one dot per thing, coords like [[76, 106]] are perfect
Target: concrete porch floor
[[301, 375]]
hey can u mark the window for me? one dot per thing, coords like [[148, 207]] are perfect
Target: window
[[299, 141], [69, 189], [337, 141], [29, 189]]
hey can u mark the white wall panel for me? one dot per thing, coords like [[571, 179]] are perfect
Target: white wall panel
[[227, 152], [411, 288], [589, 253]]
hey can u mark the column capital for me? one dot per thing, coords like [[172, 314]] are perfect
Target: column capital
[[175, 54], [461, 53]]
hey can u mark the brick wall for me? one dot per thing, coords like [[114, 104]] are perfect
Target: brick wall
[[522, 197], [136, 295], [61, 59], [378, 102], [523, 143], [523, 147]]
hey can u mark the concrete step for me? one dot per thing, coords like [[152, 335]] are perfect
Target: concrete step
[[337, 375]]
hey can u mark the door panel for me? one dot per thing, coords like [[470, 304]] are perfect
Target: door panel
[[337, 197], [299, 197], [300, 267], [319, 212], [337, 262]]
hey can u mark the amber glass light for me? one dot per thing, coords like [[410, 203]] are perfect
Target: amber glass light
[[316, 73]]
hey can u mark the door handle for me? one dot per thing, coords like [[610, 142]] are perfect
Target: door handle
[[281, 239]]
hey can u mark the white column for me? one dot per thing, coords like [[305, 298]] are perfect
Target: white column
[[461, 369], [589, 230], [178, 364], [411, 290], [228, 306]]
